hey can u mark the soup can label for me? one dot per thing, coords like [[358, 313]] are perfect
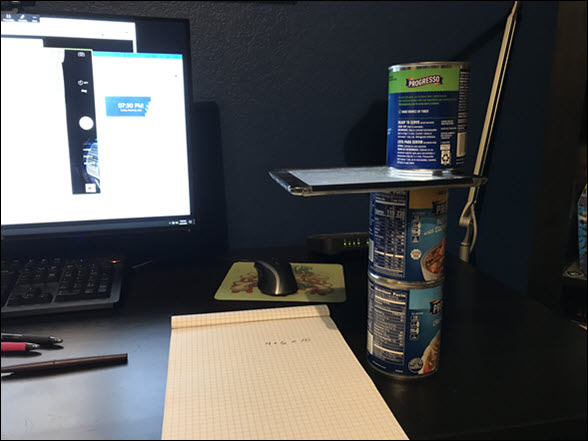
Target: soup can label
[[407, 231], [427, 116], [404, 329]]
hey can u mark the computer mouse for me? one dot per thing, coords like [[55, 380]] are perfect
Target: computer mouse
[[275, 277]]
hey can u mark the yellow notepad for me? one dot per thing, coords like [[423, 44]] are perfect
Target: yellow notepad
[[281, 373], [317, 282]]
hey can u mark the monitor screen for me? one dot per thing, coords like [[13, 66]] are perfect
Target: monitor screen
[[95, 124]]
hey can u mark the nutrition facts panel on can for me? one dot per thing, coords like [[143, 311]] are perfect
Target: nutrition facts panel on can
[[387, 321], [462, 116], [388, 229]]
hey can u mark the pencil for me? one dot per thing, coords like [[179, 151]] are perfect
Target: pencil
[[66, 363]]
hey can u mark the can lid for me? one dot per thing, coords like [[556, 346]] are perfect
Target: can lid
[[429, 65], [402, 284]]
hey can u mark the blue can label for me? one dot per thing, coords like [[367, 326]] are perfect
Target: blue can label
[[407, 233], [427, 118], [404, 329]]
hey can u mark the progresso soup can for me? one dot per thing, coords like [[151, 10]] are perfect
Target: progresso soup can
[[407, 231], [404, 327], [428, 115]]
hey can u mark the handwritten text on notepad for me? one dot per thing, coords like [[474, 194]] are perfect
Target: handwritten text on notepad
[[286, 342]]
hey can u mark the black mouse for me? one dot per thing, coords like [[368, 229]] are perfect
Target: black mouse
[[275, 277]]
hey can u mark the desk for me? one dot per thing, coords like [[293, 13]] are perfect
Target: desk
[[510, 368]]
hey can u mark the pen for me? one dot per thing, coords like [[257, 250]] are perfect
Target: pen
[[66, 363], [19, 347], [31, 338]]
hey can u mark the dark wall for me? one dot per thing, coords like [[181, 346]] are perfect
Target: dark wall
[[304, 85]]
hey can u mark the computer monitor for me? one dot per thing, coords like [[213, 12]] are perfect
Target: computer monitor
[[95, 125]]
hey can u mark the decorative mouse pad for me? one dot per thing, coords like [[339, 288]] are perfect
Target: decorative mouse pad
[[317, 282]]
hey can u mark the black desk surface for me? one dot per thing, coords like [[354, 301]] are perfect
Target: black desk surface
[[510, 368]]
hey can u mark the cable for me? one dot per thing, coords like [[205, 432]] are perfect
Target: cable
[[474, 231]]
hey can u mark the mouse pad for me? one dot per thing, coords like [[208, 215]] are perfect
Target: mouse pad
[[317, 282]]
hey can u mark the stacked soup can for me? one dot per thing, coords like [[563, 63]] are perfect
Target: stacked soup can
[[427, 123]]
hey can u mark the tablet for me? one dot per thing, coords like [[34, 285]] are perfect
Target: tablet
[[343, 180]]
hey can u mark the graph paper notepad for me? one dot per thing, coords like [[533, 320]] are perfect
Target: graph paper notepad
[[281, 373]]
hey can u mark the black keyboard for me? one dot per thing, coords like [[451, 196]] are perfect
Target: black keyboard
[[42, 286]]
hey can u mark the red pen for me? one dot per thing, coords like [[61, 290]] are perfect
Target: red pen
[[18, 346]]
